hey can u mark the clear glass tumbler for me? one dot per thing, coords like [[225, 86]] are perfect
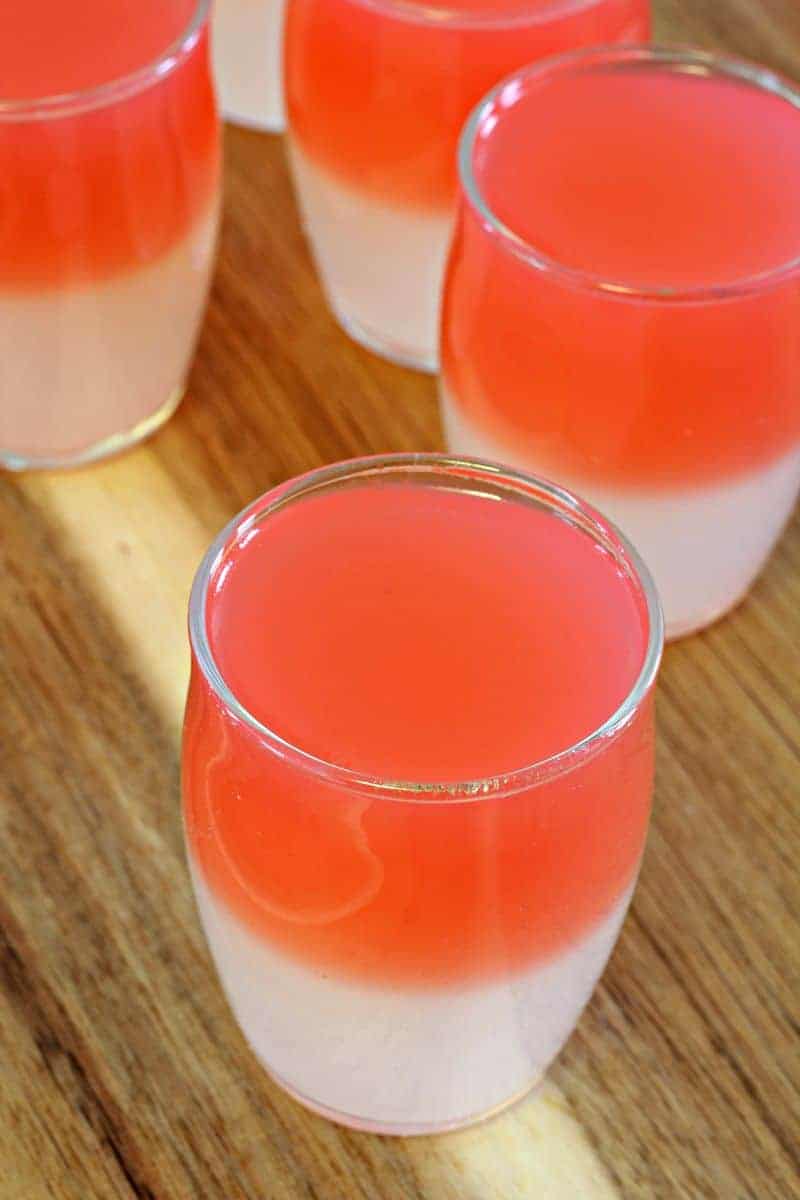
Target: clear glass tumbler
[[109, 198], [377, 92], [409, 957], [248, 53], [622, 304]]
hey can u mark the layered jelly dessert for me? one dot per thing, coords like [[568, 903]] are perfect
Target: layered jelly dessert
[[417, 773], [377, 94], [109, 162], [622, 303], [248, 54]]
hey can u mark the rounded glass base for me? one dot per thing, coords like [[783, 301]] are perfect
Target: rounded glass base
[[683, 629], [257, 125], [395, 352], [403, 1129], [116, 443]]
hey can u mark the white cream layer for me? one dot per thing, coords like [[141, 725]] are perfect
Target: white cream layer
[[80, 365], [704, 545], [382, 267], [248, 61], [402, 1060]]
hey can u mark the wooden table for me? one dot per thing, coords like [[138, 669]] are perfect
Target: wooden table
[[122, 1073]]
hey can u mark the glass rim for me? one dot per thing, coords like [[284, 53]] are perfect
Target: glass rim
[[563, 505], [100, 95], [418, 10], [707, 63]]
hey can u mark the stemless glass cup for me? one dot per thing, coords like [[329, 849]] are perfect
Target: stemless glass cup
[[675, 410], [107, 240], [248, 52], [438, 873], [377, 92]]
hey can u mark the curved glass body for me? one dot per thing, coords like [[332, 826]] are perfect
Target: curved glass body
[[106, 248], [649, 362], [377, 94], [410, 956]]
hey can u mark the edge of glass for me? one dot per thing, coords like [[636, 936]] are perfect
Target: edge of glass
[[83, 100], [696, 62], [418, 10], [564, 504]]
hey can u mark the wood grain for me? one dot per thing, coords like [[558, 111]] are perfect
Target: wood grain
[[122, 1073]]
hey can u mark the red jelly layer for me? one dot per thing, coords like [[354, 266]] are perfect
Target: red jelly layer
[[414, 633], [647, 178], [377, 96], [91, 190]]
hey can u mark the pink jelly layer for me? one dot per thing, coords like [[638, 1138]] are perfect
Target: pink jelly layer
[[410, 632], [377, 94], [91, 191], [643, 176]]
